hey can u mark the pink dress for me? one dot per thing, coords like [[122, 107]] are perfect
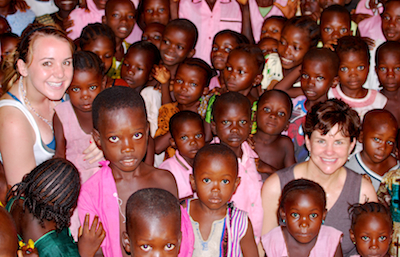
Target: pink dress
[[226, 14], [181, 171], [248, 194], [326, 244], [99, 197]]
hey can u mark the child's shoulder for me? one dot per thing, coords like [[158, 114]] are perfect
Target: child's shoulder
[[160, 178]]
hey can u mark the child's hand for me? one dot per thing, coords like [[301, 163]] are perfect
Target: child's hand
[[331, 44], [92, 152], [289, 11], [91, 238], [21, 5], [161, 74], [370, 42], [357, 17], [68, 23]]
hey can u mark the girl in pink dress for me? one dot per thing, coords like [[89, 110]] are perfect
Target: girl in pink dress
[[302, 211]]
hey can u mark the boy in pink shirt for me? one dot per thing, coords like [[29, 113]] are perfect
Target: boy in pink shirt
[[187, 131]]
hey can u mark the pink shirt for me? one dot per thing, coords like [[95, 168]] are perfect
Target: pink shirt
[[326, 244], [248, 194], [372, 28], [275, 10], [226, 14], [99, 197], [181, 171]]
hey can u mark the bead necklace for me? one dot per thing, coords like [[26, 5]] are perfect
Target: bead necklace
[[27, 103]]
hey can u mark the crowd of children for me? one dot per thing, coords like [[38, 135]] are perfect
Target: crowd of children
[[180, 113]]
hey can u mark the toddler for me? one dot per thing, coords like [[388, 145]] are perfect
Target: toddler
[[302, 211], [244, 70], [319, 73], [138, 64], [153, 33], [353, 72], [120, 17], [224, 42], [371, 229], [268, 45], [299, 34], [388, 71], [121, 130], [153, 224], [335, 23], [100, 39], [189, 89], [220, 228], [274, 109], [153, 11], [232, 123], [187, 136], [272, 27], [378, 137]]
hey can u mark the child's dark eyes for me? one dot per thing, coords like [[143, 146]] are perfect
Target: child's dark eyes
[[145, 247], [179, 81], [113, 139], [397, 69], [295, 215], [344, 69], [144, 38], [382, 238], [263, 31], [108, 56], [93, 87], [378, 140], [228, 68], [161, 10], [383, 69], [391, 143], [327, 30], [305, 76], [125, 64], [365, 238], [297, 48], [225, 181], [131, 17], [343, 30], [267, 109], [137, 135], [320, 78], [275, 31], [75, 89], [225, 122], [198, 136], [228, 50], [180, 47], [206, 180], [169, 247], [313, 215], [115, 15], [214, 49], [149, 11], [361, 67], [243, 122], [166, 42], [157, 37], [281, 114], [193, 84], [184, 137]]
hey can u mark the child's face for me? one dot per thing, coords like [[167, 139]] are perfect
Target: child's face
[[153, 34], [66, 5], [303, 214], [222, 46], [189, 84], [316, 79], [188, 139], [378, 139], [154, 237], [121, 18], [4, 26], [272, 28], [268, 46], [334, 26], [372, 234], [232, 124], [8, 46], [215, 180], [391, 21], [136, 68], [310, 7], [388, 69], [104, 48], [294, 44], [353, 70], [85, 86], [273, 114], [176, 46], [122, 136], [241, 72], [156, 11]]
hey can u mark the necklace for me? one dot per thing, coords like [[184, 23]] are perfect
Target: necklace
[[27, 103]]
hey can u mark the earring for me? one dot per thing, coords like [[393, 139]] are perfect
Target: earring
[[284, 221], [354, 242], [323, 222]]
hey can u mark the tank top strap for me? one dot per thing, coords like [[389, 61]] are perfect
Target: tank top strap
[[286, 175]]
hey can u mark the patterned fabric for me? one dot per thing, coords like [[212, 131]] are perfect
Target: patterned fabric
[[115, 71]]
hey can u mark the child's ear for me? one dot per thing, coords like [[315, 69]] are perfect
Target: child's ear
[[104, 19], [352, 236], [282, 214], [104, 82], [96, 137], [213, 127], [191, 53], [125, 240], [324, 214], [360, 137], [172, 142], [335, 82], [237, 183], [258, 79], [192, 183], [22, 68]]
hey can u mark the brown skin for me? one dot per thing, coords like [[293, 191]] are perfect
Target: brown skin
[[8, 235], [142, 175]]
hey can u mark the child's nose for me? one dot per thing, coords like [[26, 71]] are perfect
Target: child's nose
[[390, 73], [127, 146]]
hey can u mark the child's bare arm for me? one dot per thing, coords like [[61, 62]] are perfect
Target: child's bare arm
[[150, 152], [161, 143], [163, 76], [286, 84], [246, 21], [289, 152], [174, 9], [59, 137], [248, 244], [339, 252], [90, 238]]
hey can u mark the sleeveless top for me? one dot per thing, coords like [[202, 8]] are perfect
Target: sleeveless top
[[235, 222], [42, 153], [337, 216], [76, 141]]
